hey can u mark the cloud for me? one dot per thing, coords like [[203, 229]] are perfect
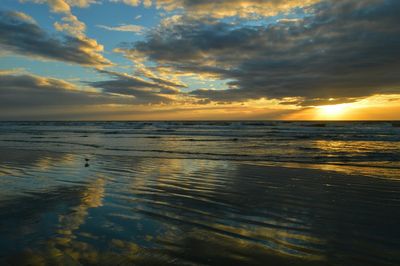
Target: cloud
[[143, 91], [198, 8], [341, 51], [63, 6], [150, 72], [12, 71], [27, 96], [230, 8], [128, 2], [82, 3], [71, 25], [22, 91], [22, 36], [57, 6], [124, 27], [30, 91], [24, 17], [146, 3]]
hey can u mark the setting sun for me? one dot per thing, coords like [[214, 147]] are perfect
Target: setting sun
[[332, 111]]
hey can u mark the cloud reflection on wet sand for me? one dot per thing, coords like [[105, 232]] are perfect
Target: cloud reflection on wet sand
[[140, 211]]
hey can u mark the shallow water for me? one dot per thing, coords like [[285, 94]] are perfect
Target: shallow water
[[168, 210], [351, 145]]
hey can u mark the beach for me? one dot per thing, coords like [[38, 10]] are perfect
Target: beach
[[66, 201], [58, 208]]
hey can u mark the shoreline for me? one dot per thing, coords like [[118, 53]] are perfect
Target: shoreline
[[376, 172]]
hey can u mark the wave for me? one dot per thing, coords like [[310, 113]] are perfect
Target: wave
[[376, 144]]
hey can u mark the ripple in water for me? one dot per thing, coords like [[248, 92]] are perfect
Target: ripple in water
[[159, 211]]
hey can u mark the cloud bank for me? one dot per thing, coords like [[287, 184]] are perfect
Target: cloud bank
[[21, 90], [344, 50]]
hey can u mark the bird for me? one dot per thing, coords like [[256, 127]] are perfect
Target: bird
[[87, 159]]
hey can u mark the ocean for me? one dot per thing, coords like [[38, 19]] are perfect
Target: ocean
[[200, 193]]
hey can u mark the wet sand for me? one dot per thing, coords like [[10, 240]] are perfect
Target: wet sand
[[142, 211]]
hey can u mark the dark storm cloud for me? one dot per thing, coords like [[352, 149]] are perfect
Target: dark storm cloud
[[144, 91], [343, 50], [20, 34]]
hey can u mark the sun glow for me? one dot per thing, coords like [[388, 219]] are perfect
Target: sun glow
[[332, 111]]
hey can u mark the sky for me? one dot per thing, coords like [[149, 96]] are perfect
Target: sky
[[199, 60]]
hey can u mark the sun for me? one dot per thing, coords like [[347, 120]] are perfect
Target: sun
[[332, 111]]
